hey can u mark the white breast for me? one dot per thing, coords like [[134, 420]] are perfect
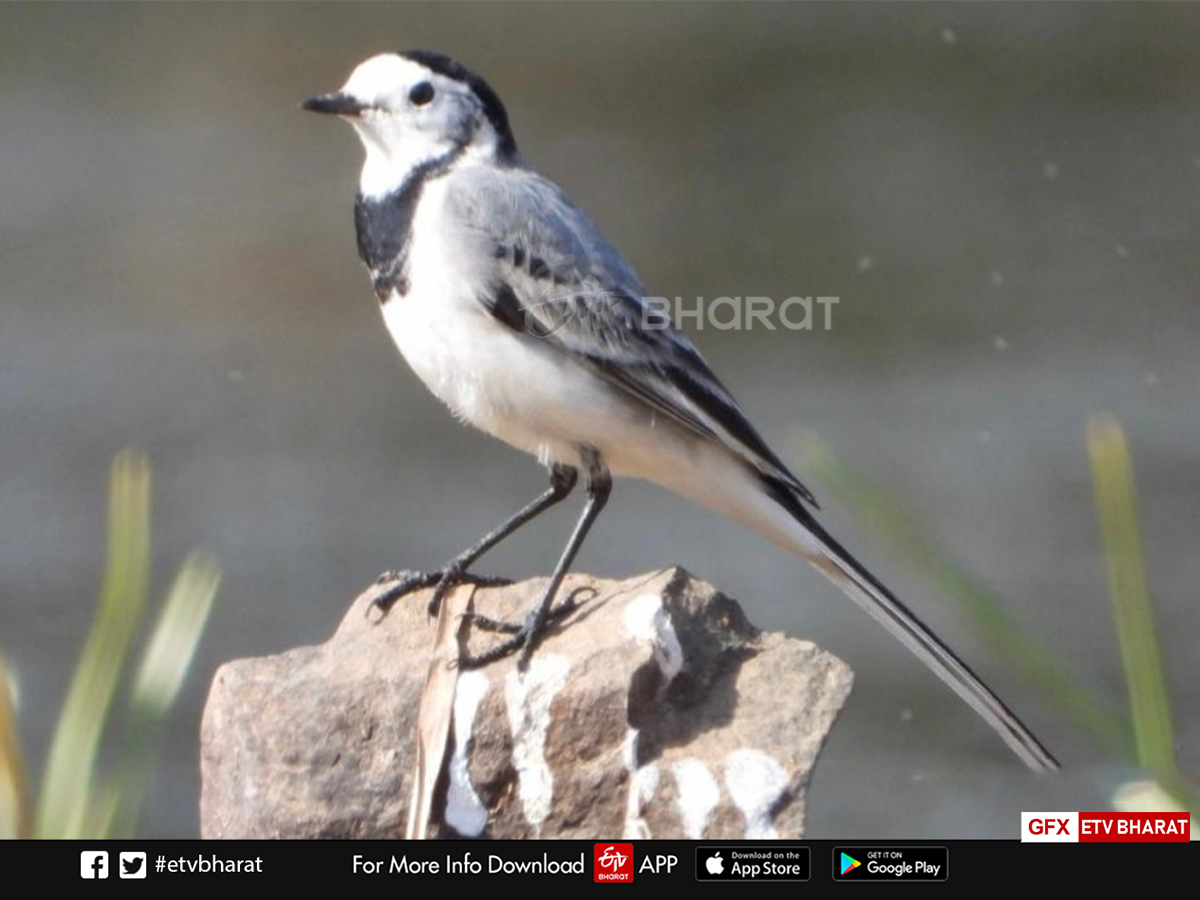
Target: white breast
[[472, 363], [440, 328], [522, 389]]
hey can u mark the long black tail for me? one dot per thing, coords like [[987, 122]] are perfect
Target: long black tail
[[872, 595]]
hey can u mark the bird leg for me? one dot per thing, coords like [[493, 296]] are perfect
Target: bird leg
[[562, 481], [526, 635]]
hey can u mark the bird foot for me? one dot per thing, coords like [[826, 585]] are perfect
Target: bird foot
[[403, 582], [525, 636]]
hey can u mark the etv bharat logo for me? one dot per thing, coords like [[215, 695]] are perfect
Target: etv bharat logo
[[613, 863], [1086, 827]]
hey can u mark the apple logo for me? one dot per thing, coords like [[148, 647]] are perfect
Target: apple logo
[[714, 864]]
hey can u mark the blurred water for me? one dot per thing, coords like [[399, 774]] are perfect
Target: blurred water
[[177, 271]]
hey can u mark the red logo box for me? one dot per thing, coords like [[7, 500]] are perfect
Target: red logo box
[[613, 863], [1131, 826]]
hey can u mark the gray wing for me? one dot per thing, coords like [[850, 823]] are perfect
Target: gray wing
[[557, 278]]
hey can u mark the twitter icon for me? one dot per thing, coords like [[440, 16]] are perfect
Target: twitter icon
[[133, 865]]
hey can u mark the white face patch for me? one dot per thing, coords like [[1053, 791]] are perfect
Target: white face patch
[[398, 134], [385, 78]]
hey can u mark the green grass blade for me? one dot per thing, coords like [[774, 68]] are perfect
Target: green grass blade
[[14, 795], [1149, 796], [160, 675], [176, 634], [1116, 506], [67, 782]]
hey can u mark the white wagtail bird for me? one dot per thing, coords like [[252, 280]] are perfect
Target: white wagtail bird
[[517, 313]]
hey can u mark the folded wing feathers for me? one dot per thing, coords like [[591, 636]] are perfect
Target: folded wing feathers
[[576, 291]]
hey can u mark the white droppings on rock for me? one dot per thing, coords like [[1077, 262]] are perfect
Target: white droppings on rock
[[698, 796], [639, 616], [629, 749], [643, 782], [646, 619], [755, 781], [528, 698], [465, 812]]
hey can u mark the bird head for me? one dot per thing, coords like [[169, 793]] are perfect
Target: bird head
[[414, 107]]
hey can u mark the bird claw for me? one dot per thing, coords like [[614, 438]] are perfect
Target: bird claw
[[525, 635], [403, 582], [523, 638]]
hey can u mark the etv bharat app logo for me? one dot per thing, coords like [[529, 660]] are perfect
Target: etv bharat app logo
[[613, 863]]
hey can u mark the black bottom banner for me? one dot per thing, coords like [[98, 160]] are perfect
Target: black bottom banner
[[89, 865]]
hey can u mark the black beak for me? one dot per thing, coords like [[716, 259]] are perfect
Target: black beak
[[336, 104]]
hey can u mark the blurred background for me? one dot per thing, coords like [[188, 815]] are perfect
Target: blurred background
[[1005, 198]]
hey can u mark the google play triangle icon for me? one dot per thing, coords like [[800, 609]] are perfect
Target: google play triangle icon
[[849, 863]]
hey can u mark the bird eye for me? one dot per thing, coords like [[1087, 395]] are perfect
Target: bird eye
[[421, 94]]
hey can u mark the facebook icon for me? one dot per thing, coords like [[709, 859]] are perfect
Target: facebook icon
[[93, 864]]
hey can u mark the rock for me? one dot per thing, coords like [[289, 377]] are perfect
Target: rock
[[655, 710]]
